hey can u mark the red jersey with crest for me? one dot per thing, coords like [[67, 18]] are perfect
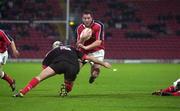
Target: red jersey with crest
[[5, 41], [97, 34]]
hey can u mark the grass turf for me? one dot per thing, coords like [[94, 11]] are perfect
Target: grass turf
[[127, 89]]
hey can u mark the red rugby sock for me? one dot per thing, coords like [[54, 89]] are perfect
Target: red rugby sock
[[176, 93], [169, 89], [29, 86], [8, 79], [68, 86]]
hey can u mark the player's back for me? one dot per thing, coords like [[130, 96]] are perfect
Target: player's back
[[62, 53]]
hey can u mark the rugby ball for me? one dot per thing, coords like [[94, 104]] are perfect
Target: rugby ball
[[86, 34]]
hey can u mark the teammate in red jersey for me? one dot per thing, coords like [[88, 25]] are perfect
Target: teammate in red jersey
[[93, 46], [5, 41], [61, 59], [173, 90]]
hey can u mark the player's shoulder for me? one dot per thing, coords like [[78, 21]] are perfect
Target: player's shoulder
[[1, 31], [98, 24], [80, 26]]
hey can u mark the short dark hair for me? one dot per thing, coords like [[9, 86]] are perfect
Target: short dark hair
[[87, 12]]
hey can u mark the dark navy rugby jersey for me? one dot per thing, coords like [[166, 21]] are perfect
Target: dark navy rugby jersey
[[63, 53]]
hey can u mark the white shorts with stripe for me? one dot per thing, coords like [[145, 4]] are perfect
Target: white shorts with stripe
[[3, 57], [175, 83], [98, 54]]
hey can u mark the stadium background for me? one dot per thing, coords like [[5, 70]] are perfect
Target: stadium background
[[135, 29]]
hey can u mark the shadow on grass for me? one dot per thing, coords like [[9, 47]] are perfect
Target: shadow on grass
[[107, 95]]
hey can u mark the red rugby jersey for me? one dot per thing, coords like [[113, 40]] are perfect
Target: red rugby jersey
[[97, 34], [4, 41]]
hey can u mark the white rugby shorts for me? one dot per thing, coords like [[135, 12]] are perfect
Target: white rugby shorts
[[98, 54], [3, 57], [175, 83]]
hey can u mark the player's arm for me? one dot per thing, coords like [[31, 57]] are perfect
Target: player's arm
[[91, 46], [93, 59], [14, 50], [99, 35], [78, 32], [84, 57], [9, 40]]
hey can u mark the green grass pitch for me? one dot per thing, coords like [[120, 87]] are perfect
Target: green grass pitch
[[127, 89]]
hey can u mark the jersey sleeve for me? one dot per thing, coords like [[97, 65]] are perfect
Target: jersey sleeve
[[81, 55], [99, 31], [84, 57], [79, 29], [78, 33], [6, 37]]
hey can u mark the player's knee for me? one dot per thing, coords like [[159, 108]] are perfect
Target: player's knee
[[38, 78], [68, 85], [1, 74], [96, 71], [44, 67]]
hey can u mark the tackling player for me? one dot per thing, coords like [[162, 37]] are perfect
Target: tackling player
[[5, 41], [93, 46], [173, 90], [61, 60]]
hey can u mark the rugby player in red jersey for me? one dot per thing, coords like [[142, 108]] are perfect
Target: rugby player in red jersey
[[173, 90], [60, 60], [5, 41], [94, 46]]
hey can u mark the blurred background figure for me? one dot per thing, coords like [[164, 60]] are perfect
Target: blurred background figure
[[173, 90]]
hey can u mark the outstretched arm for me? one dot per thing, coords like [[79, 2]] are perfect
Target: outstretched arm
[[14, 50], [105, 64]]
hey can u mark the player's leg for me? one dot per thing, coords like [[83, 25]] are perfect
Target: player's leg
[[166, 91], [177, 85], [69, 78], [3, 75], [8, 79], [95, 71], [177, 93], [46, 73], [66, 87], [173, 88], [169, 89], [95, 68]]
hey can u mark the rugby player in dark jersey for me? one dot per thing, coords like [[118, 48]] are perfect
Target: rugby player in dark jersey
[[61, 60]]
